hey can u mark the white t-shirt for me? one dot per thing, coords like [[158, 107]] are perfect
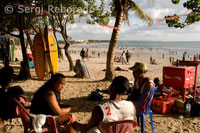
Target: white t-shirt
[[113, 111]]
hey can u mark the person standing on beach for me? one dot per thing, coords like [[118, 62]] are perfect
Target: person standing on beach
[[170, 59], [128, 56], [87, 54], [141, 83], [82, 54], [151, 59], [123, 56], [114, 109]]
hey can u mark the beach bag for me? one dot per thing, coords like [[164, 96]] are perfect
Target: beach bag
[[95, 96]]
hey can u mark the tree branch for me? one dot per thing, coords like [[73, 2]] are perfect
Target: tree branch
[[1, 29]]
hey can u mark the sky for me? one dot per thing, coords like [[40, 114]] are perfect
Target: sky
[[138, 29]]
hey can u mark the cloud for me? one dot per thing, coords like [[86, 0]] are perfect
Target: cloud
[[138, 29]]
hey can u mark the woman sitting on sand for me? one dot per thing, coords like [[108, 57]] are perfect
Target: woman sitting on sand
[[113, 110], [47, 98]]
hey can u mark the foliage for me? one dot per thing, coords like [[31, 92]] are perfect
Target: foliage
[[128, 6], [192, 17], [175, 1]]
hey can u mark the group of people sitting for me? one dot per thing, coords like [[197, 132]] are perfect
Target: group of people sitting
[[46, 100]]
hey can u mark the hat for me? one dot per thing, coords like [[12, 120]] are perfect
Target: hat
[[138, 66]]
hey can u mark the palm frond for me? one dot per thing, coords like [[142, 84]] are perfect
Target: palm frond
[[132, 6]]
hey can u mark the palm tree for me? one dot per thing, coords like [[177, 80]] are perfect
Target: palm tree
[[120, 12]]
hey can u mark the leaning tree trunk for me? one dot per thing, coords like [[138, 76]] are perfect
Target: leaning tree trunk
[[24, 53], [29, 41], [110, 73], [67, 44]]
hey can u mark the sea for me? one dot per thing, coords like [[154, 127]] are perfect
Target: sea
[[162, 47]]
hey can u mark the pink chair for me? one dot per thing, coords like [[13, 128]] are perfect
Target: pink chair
[[27, 118], [122, 126]]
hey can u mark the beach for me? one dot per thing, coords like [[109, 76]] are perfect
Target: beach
[[77, 90]]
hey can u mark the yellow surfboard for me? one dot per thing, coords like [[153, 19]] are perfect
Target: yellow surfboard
[[53, 52], [39, 56]]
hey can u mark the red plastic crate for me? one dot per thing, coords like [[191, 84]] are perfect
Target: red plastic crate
[[178, 77], [162, 105]]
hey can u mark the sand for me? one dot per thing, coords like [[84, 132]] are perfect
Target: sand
[[77, 90]]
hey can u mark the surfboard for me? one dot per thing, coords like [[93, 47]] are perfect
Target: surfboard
[[85, 70], [53, 54], [39, 56]]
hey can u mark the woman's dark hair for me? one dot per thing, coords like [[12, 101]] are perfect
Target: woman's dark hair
[[54, 78], [120, 85]]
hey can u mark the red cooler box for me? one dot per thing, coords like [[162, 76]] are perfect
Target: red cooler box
[[178, 77]]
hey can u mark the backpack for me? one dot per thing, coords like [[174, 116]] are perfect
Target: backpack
[[95, 96]]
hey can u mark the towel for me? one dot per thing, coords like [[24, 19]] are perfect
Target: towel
[[38, 121]]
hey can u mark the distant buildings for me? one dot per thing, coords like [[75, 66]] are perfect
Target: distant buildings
[[79, 41]]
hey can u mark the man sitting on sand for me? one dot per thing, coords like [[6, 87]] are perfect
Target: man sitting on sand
[[113, 110], [141, 83]]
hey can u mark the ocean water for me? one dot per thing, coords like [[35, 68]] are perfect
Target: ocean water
[[172, 48]]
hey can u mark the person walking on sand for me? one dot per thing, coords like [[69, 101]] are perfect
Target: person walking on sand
[[141, 83], [128, 56], [118, 109]]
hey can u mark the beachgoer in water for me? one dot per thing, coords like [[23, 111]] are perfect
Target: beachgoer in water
[[141, 83], [118, 109]]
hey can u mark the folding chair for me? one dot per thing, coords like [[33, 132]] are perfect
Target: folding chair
[[122, 126], [27, 118], [141, 114]]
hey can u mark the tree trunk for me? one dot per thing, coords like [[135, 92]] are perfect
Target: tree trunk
[[24, 53], [67, 44], [59, 49], [54, 33], [29, 41], [110, 72]]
